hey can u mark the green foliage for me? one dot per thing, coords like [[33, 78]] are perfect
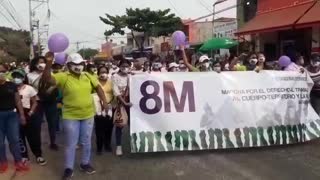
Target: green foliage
[[13, 45], [146, 21], [88, 53]]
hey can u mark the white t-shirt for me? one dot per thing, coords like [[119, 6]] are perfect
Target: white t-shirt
[[26, 93], [113, 71], [119, 84], [34, 79]]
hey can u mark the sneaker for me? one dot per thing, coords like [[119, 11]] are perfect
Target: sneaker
[[68, 174], [25, 160], [87, 169], [41, 161], [20, 166], [54, 147], [119, 151], [3, 167]]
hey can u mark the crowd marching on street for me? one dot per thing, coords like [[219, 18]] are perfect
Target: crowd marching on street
[[81, 97]]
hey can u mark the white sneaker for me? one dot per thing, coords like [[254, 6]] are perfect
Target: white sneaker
[[119, 151], [25, 160], [41, 161]]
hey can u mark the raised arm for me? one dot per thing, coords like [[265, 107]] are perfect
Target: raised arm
[[185, 59], [46, 76]]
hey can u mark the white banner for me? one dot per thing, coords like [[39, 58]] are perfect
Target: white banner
[[197, 111]]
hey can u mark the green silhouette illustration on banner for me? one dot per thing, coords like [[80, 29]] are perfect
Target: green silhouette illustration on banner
[[246, 137], [263, 141], [203, 140], [160, 146], [237, 134], [194, 144], [228, 141], [168, 138], [270, 135], [211, 138]]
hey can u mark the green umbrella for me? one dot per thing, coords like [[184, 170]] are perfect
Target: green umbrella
[[218, 43]]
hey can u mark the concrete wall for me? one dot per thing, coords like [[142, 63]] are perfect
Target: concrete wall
[[199, 32]]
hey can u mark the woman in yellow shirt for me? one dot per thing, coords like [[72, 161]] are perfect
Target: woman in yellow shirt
[[103, 119]]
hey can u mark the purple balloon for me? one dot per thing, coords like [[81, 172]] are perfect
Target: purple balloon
[[284, 61], [60, 58], [179, 38], [58, 42]]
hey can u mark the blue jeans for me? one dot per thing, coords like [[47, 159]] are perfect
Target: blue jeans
[[75, 131], [9, 127]]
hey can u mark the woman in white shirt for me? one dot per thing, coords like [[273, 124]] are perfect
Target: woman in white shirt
[[120, 86], [30, 132], [47, 98]]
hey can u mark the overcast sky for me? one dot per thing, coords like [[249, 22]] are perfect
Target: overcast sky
[[79, 19]]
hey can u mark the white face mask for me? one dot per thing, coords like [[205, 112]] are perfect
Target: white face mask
[[217, 69], [315, 63], [253, 61], [125, 70], [157, 66], [175, 70], [17, 81], [3, 76], [262, 59], [206, 65], [103, 76], [41, 66], [94, 70], [77, 68], [114, 66]]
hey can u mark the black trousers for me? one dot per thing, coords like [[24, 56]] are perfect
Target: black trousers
[[103, 129], [31, 132], [50, 110]]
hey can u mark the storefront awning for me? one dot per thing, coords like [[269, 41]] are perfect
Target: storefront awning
[[275, 20], [311, 17]]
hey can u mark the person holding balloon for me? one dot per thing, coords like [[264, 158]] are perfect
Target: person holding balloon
[[78, 109], [47, 97], [287, 65]]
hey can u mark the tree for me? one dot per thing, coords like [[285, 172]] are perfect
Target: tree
[[13, 45], [88, 53], [146, 21]]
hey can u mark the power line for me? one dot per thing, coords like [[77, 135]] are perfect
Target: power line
[[10, 14], [13, 25], [173, 6], [204, 5], [15, 12]]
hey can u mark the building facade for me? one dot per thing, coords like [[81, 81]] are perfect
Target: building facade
[[285, 27]]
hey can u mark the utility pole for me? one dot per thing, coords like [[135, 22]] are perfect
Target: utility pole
[[78, 46], [36, 10], [31, 56]]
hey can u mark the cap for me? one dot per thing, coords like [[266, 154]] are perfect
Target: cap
[[204, 58], [75, 58], [173, 65], [19, 71]]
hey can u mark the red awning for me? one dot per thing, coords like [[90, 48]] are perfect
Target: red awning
[[311, 17], [275, 20]]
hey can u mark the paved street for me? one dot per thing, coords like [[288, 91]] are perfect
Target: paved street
[[295, 162]]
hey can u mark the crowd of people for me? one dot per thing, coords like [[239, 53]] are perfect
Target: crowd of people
[[80, 96]]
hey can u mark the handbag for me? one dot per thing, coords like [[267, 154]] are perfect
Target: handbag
[[120, 116]]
